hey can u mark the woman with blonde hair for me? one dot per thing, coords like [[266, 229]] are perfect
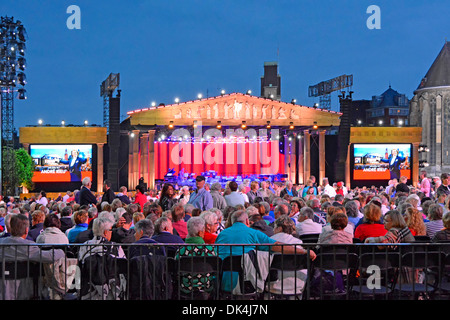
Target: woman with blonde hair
[[414, 220], [371, 225]]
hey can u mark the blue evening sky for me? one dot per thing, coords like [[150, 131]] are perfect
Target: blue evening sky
[[168, 48]]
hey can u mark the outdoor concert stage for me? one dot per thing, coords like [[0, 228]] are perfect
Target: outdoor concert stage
[[228, 137]]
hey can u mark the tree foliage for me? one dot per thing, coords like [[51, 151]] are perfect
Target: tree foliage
[[24, 169], [17, 170]]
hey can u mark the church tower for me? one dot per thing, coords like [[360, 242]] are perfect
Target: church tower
[[430, 109]]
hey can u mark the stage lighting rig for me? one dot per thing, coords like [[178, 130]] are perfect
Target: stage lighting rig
[[12, 80]]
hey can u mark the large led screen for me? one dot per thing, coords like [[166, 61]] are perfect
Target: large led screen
[[61, 163], [381, 161]]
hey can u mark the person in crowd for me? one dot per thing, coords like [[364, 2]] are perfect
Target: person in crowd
[[332, 210], [336, 234], [17, 248], [280, 209], [164, 230], [101, 245], [51, 231], [306, 190], [164, 234], [188, 209], [305, 224], [218, 199], [340, 189], [185, 195], [196, 212], [435, 223], [66, 196], [414, 221], [276, 189], [397, 230], [289, 190], [296, 206], [137, 216], [338, 200], [327, 188], [42, 198], [199, 285], [201, 198], [80, 220], [220, 224], [108, 195], [234, 198], [124, 233], [444, 186], [353, 213], [122, 195], [444, 234], [254, 192], [425, 184], [265, 191], [402, 186], [320, 216], [371, 225], [385, 206], [178, 222], [441, 198], [257, 222], [58, 276], [241, 191], [167, 199], [7, 232], [85, 195], [211, 225], [144, 230], [37, 225], [140, 197], [288, 282], [240, 233]]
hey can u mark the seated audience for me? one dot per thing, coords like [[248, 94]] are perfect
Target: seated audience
[[371, 225]]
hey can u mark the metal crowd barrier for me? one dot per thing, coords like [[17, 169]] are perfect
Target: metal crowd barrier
[[225, 272]]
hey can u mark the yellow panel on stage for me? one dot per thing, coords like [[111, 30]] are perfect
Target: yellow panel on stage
[[62, 135]]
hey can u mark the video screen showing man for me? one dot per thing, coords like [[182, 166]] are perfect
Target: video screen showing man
[[381, 161], [61, 163], [394, 160], [75, 160]]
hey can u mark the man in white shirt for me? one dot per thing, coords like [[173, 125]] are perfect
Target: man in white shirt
[[242, 192], [66, 196], [327, 189], [305, 224], [234, 198]]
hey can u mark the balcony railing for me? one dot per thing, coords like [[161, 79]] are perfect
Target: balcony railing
[[224, 272]]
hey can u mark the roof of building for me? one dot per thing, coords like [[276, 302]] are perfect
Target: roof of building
[[388, 99], [439, 73]]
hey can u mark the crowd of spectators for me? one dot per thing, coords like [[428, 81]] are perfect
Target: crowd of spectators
[[251, 212]]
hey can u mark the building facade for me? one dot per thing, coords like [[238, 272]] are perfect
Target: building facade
[[388, 109], [430, 109]]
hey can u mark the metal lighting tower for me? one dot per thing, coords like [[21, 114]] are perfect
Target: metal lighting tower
[[12, 80], [325, 88]]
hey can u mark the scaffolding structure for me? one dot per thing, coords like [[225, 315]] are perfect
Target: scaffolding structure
[[12, 81], [324, 89]]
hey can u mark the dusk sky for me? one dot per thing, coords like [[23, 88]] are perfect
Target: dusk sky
[[167, 49]]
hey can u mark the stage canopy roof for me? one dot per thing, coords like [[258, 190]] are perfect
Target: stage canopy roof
[[231, 110]]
